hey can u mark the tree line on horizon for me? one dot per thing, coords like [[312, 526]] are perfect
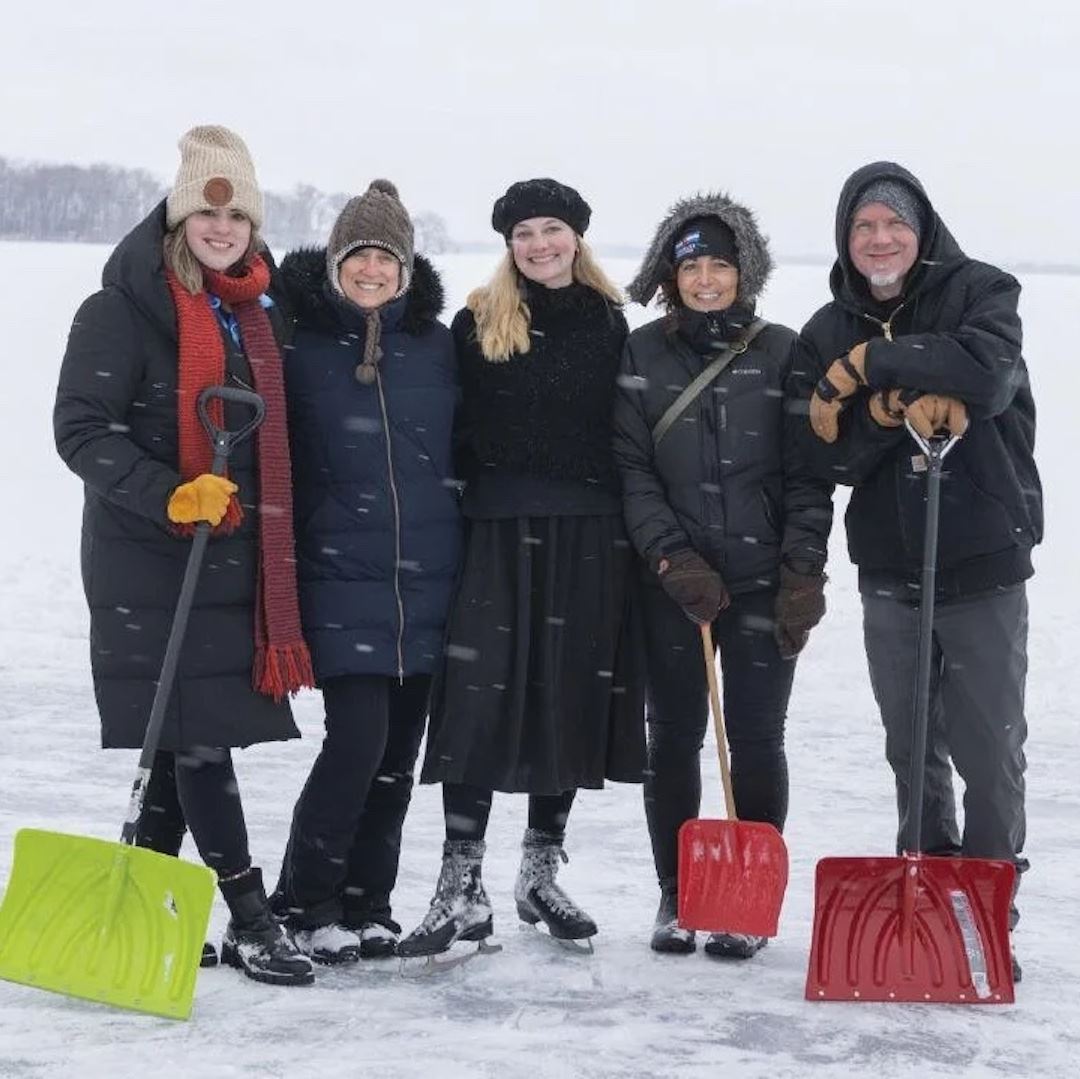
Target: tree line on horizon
[[101, 203]]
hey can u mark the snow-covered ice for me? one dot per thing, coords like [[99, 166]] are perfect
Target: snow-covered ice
[[534, 1011]]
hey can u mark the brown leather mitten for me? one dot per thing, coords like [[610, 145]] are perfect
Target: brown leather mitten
[[886, 408], [934, 412], [843, 377], [694, 585], [800, 605]]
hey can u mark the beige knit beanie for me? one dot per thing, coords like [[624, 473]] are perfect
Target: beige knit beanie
[[374, 219], [215, 171]]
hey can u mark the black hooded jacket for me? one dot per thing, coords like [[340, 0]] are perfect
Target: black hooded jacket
[[955, 331]]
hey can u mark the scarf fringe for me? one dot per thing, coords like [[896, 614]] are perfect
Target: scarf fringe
[[283, 669]]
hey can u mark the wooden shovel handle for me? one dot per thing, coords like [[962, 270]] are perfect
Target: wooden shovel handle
[[718, 719]]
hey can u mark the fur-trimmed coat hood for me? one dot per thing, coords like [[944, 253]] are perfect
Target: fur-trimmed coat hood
[[308, 297], [755, 262]]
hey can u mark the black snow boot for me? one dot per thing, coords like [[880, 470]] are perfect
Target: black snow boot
[[539, 898], [460, 908], [254, 942], [734, 945], [209, 955], [668, 936]]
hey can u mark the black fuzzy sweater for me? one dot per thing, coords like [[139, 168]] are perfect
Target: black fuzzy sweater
[[535, 431]]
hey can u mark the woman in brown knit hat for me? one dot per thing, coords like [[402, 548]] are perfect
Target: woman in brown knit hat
[[183, 306]]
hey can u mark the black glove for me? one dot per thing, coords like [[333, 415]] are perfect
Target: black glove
[[694, 585], [800, 605]]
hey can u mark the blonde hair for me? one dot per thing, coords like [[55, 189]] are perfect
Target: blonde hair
[[502, 315], [188, 269]]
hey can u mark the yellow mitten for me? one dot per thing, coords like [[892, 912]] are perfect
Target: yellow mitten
[[205, 498]]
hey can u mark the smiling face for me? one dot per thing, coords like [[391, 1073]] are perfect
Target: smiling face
[[707, 283], [218, 238], [370, 277], [544, 250], [883, 248]]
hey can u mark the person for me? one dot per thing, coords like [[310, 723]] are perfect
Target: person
[[537, 692], [918, 331], [371, 380], [183, 306], [730, 529]]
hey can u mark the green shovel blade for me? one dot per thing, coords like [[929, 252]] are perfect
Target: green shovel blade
[[104, 921]]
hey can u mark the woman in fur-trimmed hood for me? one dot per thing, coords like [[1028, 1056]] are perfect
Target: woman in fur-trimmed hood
[[371, 381], [730, 530]]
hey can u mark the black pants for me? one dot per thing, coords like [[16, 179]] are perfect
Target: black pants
[[756, 688], [467, 809], [196, 788], [977, 677], [342, 858]]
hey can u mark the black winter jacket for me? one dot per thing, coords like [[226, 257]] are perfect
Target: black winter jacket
[[378, 529], [115, 427], [955, 331], [722, 480]]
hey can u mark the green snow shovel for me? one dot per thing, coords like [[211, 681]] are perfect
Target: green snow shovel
[[107, 921]]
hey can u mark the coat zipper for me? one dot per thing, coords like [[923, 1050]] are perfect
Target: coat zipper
[[397, 529], [886, 327]]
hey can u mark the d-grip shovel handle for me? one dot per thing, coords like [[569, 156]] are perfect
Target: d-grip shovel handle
[[224, 442], [718, 719], [935, 450]]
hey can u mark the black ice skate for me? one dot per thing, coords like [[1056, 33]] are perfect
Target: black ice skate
[[540, 899], [460, 910], [668, 936]]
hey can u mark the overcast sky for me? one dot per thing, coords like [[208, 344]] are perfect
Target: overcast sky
[[634, 103]]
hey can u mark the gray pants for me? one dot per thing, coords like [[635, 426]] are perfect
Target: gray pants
[[978, 668]]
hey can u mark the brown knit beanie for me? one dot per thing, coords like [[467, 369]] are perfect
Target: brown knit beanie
[[374, 219], [215, 171]]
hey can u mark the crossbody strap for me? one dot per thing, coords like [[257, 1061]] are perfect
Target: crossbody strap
[[693, 391]]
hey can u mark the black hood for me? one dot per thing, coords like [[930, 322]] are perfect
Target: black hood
[[136, 267], [312, 301], [939, 253]]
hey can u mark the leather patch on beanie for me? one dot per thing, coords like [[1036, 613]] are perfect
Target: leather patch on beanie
[[218, 191]]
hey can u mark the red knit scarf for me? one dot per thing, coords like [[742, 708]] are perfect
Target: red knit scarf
[[282, 661]]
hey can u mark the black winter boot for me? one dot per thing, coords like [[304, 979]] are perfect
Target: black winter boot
[[537, 895], [668, 936], [254, 942], [734, 945], [460, 909]]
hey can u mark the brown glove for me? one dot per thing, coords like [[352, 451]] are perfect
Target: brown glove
[[694, 585], [800, 605], [886, 408], [933, 412], [843, 377], [205, 498]]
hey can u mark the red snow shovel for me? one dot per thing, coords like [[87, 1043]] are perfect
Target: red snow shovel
[[914, 928], [732, 873]]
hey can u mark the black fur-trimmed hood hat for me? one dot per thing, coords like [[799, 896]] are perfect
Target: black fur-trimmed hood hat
[[752, 248]]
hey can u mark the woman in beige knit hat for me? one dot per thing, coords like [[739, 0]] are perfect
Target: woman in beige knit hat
[[183, 306]]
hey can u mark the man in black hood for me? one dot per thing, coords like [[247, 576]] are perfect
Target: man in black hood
[[916, 330]]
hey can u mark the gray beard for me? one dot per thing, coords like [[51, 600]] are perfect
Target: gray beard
[[884, 280]]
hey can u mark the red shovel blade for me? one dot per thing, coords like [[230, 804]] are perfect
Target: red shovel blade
[[732, 876], [912, 928]]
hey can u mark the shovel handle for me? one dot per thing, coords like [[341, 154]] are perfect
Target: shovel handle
[[709, 656]]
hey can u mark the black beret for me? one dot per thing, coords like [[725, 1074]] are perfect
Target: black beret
[[540, 198]]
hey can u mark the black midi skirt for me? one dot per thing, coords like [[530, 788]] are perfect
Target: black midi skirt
[[541, 688]]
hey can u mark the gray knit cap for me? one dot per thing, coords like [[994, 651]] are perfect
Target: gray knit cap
[[900, 198], [374, 219]]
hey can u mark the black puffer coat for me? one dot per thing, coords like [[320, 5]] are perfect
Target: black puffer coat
[[725, 480], [955, 330], [115, 426]]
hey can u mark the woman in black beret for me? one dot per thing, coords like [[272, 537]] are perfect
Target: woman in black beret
[[536, 693]]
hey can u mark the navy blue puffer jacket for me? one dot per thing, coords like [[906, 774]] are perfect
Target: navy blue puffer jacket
[[378, 532]]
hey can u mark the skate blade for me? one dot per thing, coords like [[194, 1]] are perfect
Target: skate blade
[[583, 946], [458, 955]]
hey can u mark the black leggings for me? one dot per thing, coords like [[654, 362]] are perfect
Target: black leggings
[[467, 809], [197, 789]]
